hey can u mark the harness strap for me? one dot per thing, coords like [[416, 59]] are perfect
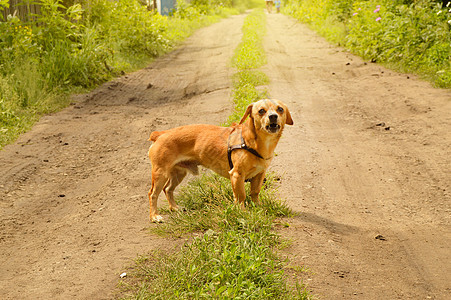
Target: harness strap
[[239, 146]]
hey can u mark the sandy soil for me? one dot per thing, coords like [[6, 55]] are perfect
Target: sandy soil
[[367, 166]]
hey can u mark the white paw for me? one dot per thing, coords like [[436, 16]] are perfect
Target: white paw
[[157, 219]]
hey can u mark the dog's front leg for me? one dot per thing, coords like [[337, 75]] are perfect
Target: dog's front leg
[[239, 193], [256, 186]]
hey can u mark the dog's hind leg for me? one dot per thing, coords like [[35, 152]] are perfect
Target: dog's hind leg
[[159, 180], [176, 176]]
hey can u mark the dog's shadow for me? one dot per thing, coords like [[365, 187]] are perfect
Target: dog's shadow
[[329, 225]]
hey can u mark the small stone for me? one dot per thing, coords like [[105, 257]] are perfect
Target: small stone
[[380, 237]]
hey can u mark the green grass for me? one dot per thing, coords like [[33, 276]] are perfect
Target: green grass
[[248, 57], [74, 49], [249, 54], [232, 253], [208, 199], [23, 99]]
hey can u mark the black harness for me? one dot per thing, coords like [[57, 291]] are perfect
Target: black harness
[[239, 146]]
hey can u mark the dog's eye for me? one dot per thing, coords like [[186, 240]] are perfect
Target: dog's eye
[[262, 111], [280, 109]]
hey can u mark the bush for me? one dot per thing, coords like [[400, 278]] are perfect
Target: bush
[[67, 48], [412, 36], [325, 16]]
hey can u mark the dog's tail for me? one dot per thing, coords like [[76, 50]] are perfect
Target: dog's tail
[[155, 135]]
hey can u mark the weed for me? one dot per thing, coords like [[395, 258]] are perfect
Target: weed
[[410, 37], [23, 99]]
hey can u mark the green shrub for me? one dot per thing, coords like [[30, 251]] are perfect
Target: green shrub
[[412, 36], [135, 30], [325, 16], [81, 46]]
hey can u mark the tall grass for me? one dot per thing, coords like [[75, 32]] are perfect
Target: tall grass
[[411, 36], [23, 98], [233, 252], [66, 49]]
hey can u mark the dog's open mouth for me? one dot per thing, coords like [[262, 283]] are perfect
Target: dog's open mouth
[[273, 128]]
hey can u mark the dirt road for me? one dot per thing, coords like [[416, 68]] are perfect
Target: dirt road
[[369, 170], [367, 166]]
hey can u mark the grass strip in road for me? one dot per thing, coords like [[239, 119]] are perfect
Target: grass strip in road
[[232, 252], [248, 57]]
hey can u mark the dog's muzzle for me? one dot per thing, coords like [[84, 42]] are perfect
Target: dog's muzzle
[[273, 126]]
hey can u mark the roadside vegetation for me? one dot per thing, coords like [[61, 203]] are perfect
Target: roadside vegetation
[[410, 36], [232, 253], [78, 45]]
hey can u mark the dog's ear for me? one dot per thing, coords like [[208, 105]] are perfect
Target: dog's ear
[[247, 113], [289, 120]]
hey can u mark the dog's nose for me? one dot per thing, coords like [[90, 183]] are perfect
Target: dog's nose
[[273, 118]]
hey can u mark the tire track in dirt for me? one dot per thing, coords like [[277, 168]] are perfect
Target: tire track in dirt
[[369, 171], [74, 208]]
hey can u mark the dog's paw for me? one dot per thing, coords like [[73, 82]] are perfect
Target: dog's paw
[[157, 219], [174, 208]]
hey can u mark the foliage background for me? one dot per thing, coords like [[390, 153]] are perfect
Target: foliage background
[[409, 35], [71, 46]]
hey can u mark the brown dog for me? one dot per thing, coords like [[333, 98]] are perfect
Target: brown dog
[[240, 152]]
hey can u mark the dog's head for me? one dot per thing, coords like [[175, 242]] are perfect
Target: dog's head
[[269, 115]]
